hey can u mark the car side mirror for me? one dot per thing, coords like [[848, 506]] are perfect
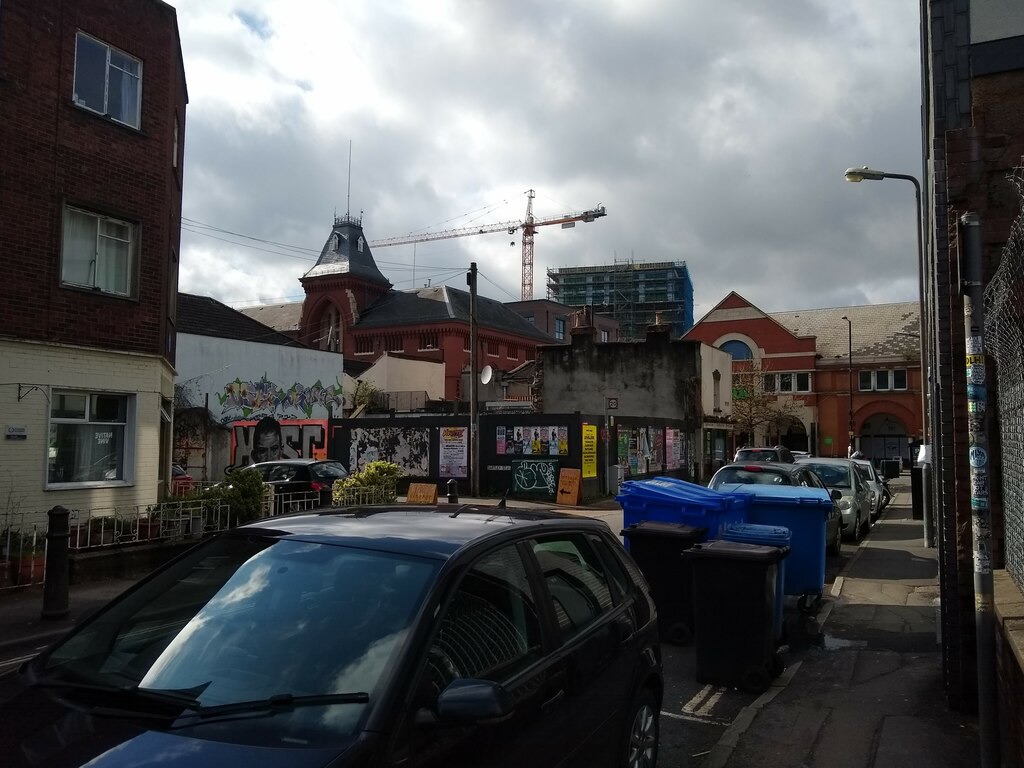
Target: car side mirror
[[836, 494], [473, 701]]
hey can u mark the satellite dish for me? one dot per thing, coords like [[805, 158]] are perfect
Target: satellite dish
[[486, 374]]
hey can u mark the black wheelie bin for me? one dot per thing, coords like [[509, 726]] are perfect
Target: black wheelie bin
[[734, 597], [657, 548]]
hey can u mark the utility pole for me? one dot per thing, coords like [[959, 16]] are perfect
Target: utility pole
[[474, 454], [981, 515]]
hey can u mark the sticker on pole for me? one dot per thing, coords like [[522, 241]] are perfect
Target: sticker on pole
[[974, 345], [978, 456]]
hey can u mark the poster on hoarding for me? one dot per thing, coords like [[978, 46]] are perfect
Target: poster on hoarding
[[589, 450], [453, 452], [532, 441]]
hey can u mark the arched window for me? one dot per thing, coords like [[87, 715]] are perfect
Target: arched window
[[330, 330], [738, 350]]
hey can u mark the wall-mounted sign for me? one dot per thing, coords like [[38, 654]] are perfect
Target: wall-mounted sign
[[612, 403], [589, 450], [15, 433]]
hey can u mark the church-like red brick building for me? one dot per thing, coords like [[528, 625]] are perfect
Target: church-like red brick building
[[352, 308], [805, 356]]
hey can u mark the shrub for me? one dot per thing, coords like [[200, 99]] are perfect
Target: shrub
[[242, 492], [375, 484]]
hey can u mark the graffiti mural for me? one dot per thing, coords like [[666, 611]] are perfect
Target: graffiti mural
[[268, 439], [408, 447], [535, 476], [251, 399]]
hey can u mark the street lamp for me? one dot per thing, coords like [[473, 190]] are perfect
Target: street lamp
[[868, 174], [849, 380]]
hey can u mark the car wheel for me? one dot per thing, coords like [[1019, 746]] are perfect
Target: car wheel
[[641, 742], [858, 530]]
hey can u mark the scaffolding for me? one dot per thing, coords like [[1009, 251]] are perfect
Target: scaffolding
[[633, 294]]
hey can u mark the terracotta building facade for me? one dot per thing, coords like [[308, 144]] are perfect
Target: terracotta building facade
[[847, 378]]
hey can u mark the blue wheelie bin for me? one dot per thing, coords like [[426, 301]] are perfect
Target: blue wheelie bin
[[669, 500], [734, 613], [805, 511], [768, 536]]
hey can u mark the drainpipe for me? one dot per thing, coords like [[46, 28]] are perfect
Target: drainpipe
[[972, 288]]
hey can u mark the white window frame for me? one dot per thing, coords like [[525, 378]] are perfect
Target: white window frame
[[796, 382], [128, 427], [105, 111], [878, 380], [560, 328], [98, 263], [892, 379], [871, 381]]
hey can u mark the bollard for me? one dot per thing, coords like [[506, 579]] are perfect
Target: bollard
[[453, 491], [55, 586]]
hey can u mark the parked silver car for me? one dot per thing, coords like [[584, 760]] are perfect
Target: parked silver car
[[855, 498], [874, 481]]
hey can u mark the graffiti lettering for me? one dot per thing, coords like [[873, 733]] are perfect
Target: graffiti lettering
[[299, 439], [265, 398], [535, 476]]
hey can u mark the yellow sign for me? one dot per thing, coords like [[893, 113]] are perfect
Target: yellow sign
[[589, 450], [975, 359]]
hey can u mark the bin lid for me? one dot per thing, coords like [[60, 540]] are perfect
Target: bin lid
[[672, 489], [658, 528], [788, 494], [776, 535], [724, 549]]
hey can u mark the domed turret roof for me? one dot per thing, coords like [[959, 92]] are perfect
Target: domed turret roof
[[347, 252]]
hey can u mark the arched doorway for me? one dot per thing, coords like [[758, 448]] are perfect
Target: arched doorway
[[793, 434], [884, 436]]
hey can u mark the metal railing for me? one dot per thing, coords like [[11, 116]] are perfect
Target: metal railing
[[23, 543], [1004, 328]]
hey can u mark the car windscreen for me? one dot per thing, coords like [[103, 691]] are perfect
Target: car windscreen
[[731, 475], [832, 475], [245, 618]]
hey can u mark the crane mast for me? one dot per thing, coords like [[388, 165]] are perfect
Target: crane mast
[[528, 226]]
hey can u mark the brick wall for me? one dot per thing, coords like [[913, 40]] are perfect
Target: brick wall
[[56, 153]]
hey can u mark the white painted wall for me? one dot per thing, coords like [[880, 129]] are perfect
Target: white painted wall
[[263, 379], [32, 372], [714, 359], [399, 374]]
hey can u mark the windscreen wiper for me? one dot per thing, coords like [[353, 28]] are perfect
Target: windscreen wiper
[[281, 702]]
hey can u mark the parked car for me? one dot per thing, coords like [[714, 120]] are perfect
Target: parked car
[[854, 501], [778, 453], [874, 481], [300, 483], [380, 636], [778, 473], [181, 481]]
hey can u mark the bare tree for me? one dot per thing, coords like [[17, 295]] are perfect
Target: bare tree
[[754, 407]]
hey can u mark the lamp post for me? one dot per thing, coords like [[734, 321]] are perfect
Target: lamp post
[[849, 381], [868, 174]]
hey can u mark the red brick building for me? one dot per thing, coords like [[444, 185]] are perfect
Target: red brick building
[[92, 121], [350, 307], [804, 357]]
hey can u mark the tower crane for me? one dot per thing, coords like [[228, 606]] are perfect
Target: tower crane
[[528, 226]]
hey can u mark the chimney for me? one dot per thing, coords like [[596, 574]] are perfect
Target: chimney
[[583, 325], [660, 330]]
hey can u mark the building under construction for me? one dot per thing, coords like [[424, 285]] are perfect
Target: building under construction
[[631, 293]]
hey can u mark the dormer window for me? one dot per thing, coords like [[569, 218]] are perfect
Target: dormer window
[[359, 245]]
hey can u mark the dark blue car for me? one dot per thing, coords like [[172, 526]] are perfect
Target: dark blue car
[[393, 636]]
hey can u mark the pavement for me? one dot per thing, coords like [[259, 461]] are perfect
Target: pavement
[[863, 686]]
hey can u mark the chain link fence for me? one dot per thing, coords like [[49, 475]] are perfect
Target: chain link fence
[[1004, 339]]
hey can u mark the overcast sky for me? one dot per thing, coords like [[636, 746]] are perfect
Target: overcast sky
[[715, 132]]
